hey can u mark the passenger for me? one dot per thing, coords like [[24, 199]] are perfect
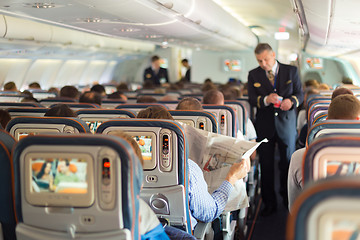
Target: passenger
[[99, 89], [90, 97], [276, 97], [185, 63], [4, 118], [344, 106], [54, 90], [156, 74], [10, 87], [150, 227], [204, 206], [324, 86], [169, 97], [34, 85], [64, 174], [312, 83], [189, 103], [207, 86], [60, 110], [70, 92], [118, 95], [28, 97], [341, 90], [122, 87], [146, 99]]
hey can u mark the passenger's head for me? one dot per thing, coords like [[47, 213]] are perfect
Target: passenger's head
[[185, 62], [265, 56], [156, 112], [312, 83], [208, 86], [133, 143], [10, 86], [90, 97], [54, 90], [34, 85], [146, 99], [344, 106], [122, 87], [213, 97], [69, 92], [117, 95], [347, 80], [99, 89], [341, 91], [189, 103], [155, 62], [60, 110], [4, 117], [324, 86]]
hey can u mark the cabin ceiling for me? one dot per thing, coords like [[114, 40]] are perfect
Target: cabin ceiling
[[189, 23]]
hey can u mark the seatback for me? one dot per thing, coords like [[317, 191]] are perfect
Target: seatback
[[226, 117], [20, 127], [320, 118], [329, 209], [164, 149], [42, 94], [47, 102], [77, 106], [199, 119], [137, 107], [332, 155], [242, 114], [27, 111], [6, 97], [5, 105], [97, 200], [7, 213], [94, 117], [332, 126], [316, 111], [111, 103], [171, 105]]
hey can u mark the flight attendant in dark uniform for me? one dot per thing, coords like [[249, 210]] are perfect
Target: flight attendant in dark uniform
[[275, 90], [155, 73]]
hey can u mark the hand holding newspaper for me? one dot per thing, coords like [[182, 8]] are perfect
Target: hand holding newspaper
[[215, 153]]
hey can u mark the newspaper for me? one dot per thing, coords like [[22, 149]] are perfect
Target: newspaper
[[215, 153]]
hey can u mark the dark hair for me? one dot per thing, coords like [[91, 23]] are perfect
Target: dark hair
[[35, 85], [213, 97], [189, 103], [156, 112], [69, 92], [4, 117], [60, 110], [98, 88], [340, 91], [42, 170], [184, 60], [10, 86], [146, 99], [261, 47], [90, 97], [154, 58], [122, 87]]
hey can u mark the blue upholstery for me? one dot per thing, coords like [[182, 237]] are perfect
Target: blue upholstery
[[320, 202], [7, 214], [320, 144], [78, 105], [100, 112], [319, 118], [206, 114], [336, 125], [79, 124], [131, 170], [315, 112]]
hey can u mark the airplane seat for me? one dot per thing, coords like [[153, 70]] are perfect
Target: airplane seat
[[320, 118], [328, 209], [171, 105], [27, 111], [94, 117], [241, 112], [6, 105], [332, 155], [47, 102], [137, 107], [198, 119], [226, 117], [314, 105], [164, 148], [7, 212], [76, 106], [111, 103], [98, 201], [315, 112], [42, 94], [20, 127]]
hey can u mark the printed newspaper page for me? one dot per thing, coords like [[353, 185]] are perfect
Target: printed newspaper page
[[215, 153]]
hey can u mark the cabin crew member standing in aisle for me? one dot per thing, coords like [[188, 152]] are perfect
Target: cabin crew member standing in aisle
[[155, 73], [275, 90]]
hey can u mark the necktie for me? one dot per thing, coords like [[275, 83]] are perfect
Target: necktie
[[271, 77]]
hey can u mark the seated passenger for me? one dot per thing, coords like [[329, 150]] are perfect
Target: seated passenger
[[60, 110], [344, 106], [69, 92], [189, 103], [204, 206], [10, 86], [146, 99], [90, 97], [4, 118], [100, 89], [150, 227], [34, 85]]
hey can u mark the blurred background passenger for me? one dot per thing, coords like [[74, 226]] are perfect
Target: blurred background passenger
[[60, 110], [70, 92], [4, 118], [10, 87], [90, 97]]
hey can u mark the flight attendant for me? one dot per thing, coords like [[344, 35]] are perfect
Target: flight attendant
[[275, 90], [155, 73]]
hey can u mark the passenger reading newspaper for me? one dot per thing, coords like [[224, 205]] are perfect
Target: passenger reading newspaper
[[215, 153]]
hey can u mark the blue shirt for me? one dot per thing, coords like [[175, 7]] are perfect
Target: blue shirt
[[204, 206]]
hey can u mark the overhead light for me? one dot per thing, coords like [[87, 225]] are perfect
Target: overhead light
[[42, 5], [92, 20], [282, 35]]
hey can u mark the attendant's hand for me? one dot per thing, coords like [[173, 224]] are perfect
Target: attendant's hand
[[286, 104], [272, 98], [238, 171]]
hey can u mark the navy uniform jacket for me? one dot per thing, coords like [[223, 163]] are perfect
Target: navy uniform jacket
[[149, 74], [270, 119]]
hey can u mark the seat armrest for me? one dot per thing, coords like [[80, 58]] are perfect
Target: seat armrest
[[203, 229]]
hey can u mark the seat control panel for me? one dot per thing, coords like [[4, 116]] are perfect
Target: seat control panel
[[165, 151]]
